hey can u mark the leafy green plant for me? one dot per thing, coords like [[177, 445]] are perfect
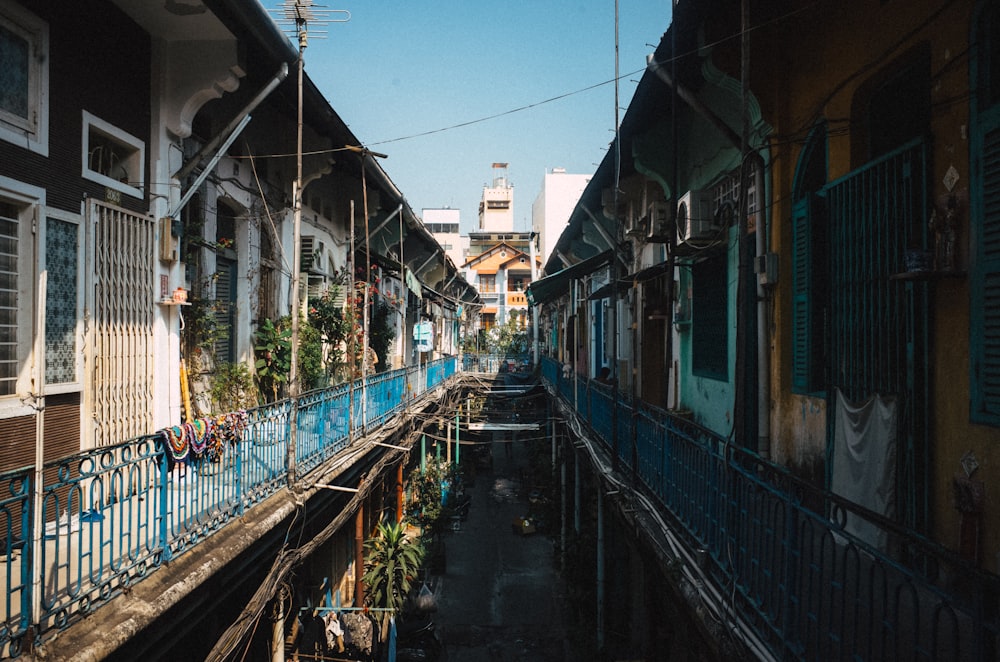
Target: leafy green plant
[[425, 507], [312, 367], [506, 339], [381, 331], [231, 388], [273, 350], [201, 325], [392, 561], [328, 316]]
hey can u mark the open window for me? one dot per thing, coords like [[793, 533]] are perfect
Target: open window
[[113, 157]]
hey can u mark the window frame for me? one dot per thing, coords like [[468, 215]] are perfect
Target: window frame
[[30, 134], [30, 201], [488, 283], [136, 171]]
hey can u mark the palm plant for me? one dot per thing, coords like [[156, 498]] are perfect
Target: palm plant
[[392, 561]]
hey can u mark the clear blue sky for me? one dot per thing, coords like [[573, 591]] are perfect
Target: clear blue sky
[[432, 85]]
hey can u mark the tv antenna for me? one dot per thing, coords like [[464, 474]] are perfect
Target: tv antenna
[[295, 16]]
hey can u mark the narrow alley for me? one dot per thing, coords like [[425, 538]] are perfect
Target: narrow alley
[[500, 597]]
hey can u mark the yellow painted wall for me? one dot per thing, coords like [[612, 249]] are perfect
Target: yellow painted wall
[[821, 72]]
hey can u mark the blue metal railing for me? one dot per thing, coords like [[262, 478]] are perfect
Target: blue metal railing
[[114, 514], [496, 362], [805, 583]]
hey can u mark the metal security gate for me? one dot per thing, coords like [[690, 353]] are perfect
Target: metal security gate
[[879, 332], [120, 331]]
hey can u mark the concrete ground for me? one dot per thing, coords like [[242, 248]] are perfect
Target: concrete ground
[[500, 597]]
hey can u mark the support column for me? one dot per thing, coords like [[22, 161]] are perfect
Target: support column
[[359, 556], [278, 628], [576, 493], [552, 435], [600, 567], [563, 514], [399, 492]]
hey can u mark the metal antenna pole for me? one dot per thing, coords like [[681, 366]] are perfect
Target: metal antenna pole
[[298, 13], [293, 370]]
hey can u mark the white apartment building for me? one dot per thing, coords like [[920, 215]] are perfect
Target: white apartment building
[[496, 209], [444, 224], [551, 210]]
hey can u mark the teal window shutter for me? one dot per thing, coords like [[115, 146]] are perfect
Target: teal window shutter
[[810, 294], [801, 309], [986, 286], [984, 217]]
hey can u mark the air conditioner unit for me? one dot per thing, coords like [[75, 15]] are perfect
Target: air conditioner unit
[[311, 255], [608, 202], [695, 221], [658, 218]]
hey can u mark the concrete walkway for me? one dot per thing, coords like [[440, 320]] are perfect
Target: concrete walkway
[[500, 597]]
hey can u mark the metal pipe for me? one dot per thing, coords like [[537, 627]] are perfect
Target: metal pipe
[[690, 99], [763, 355], [188, 167], [209, 167], [534, 308], [38, 482]]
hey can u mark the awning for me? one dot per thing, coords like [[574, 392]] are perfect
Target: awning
[[413, 283], [641, 276], [555, 285]]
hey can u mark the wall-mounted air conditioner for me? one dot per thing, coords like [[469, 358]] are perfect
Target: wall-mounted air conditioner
[[608, 201], [311, 255], [695, 220], [659, 217]]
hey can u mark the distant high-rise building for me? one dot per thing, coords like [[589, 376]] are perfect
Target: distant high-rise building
[[444, 224], [496, 209], [552, 208], [498, 260]]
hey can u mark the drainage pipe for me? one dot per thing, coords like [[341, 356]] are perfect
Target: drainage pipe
[[688, 97], [210, 146], [763, 336]]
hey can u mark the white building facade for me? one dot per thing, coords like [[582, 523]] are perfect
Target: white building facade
[[496, 209], [552, 207]]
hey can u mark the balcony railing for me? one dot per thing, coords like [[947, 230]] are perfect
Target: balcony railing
[[780, 552], [113, 515]]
